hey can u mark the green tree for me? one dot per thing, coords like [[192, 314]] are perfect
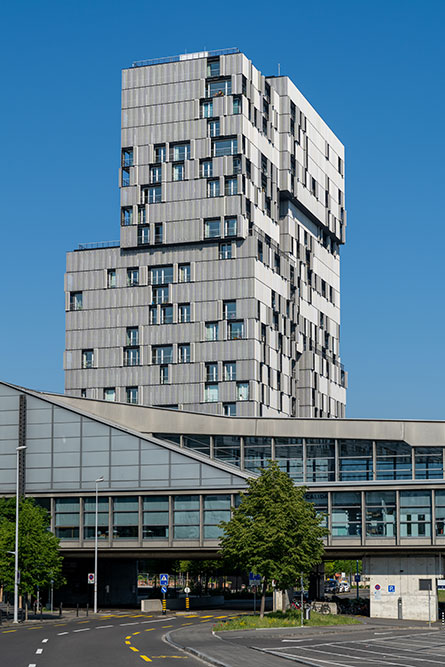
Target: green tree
[[274, 532], [39, 557]]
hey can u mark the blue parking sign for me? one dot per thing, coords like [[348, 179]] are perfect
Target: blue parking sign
[[391, 588]]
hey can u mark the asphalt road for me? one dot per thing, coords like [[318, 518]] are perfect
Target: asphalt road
[[109, 640]]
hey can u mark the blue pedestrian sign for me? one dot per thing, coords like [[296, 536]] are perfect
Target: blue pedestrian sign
[[164, 579], [164, 589], [391, 588], [357, 578], [254, 579]]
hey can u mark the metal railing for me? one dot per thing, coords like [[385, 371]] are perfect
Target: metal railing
[[185, 56], [99, 244]]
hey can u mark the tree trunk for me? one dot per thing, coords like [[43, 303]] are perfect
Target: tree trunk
[[263, 599]]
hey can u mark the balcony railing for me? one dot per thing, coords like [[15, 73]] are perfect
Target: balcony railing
[[99, 244]]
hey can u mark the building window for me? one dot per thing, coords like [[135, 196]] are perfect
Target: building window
[[160, 153], [131, 394], [110, 394], [166, 314], [184, 273], [132, 336], [178, 171], [230, 227], [213, 128], [219, 88], [155, 517], [127, 157], [229, 370], [237, 105], [224, 147], [133, 277], [125, 177], [380, 513], [159, 232], [212, 228], [242, 391], [229, 409], [76, 300], [160, 295], [216, 509], [211, 393], [142, 215], [144, 235], [153, 314], [211, 330], [415, 514], [212, 372], [87, 358], [229, 308], [225, 251], [346, 514], [131, 356], [213, 68], [213, 188], [206, 169], [162, 354], [126, 216], [260, 251], [163, 374], [236, 330], [179, 152], [156, 174], [186, 517], [67, 518], [206, 109], [111, 278], [231, 186], [236, 165], [184, 353], [184, 312], [152, 194], [161, 275], [126, 514]]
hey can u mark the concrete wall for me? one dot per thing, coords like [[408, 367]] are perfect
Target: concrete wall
[[395, 586]]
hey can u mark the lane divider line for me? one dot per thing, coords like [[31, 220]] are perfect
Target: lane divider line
[[44, 641], [39, 651]]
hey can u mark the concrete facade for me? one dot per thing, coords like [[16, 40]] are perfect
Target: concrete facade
[[223, 295]]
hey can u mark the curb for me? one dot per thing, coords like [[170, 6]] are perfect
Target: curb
[[194, 652]]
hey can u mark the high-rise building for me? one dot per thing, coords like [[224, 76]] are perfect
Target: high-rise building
[[223, 294]]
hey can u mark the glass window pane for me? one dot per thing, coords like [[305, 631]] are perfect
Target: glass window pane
[[217, 502], [186, 502], [155, 503], [126, 503], [186, 532]]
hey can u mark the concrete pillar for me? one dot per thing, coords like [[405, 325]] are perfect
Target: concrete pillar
[[399, 586], [316, 583]]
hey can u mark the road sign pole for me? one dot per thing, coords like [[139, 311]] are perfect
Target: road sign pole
[[254, 600], [357, 582]]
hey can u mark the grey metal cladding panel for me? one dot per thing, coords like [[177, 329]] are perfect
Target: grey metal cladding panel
[[118, 298], [221, 270], [129, 236], [164, 73]]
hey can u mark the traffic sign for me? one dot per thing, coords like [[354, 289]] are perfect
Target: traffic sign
[[254, 579], [186, 590], [357, 578], [391, 588], [164, 579], [91, 578], [377, 587], [164, 589]]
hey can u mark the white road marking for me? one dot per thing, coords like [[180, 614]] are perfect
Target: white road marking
[[82, 630], [62, 633], [39, 651], [99, 627], [135, 623], [44, 641], [157, 620], [32, 664]]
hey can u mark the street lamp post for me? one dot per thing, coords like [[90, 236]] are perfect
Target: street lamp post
[[16, 552], [98, 480]]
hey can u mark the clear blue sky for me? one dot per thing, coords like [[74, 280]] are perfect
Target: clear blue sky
[[373, 70]]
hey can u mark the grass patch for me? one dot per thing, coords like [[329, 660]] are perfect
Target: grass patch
[[279, 619]]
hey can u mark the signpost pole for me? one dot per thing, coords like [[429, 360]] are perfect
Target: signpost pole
[[357, 581], [429, 607], [254, 600], [301, 597]]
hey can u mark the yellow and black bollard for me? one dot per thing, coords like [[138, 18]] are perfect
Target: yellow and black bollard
[[164, 605]]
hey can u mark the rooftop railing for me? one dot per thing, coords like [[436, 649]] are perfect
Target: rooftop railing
[[98, 244], [185, 56]]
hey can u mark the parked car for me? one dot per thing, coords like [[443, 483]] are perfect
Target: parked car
[[344, 587], [331, 586]]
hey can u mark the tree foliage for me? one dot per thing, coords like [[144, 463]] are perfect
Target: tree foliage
[[274, 532], [39, 557]]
